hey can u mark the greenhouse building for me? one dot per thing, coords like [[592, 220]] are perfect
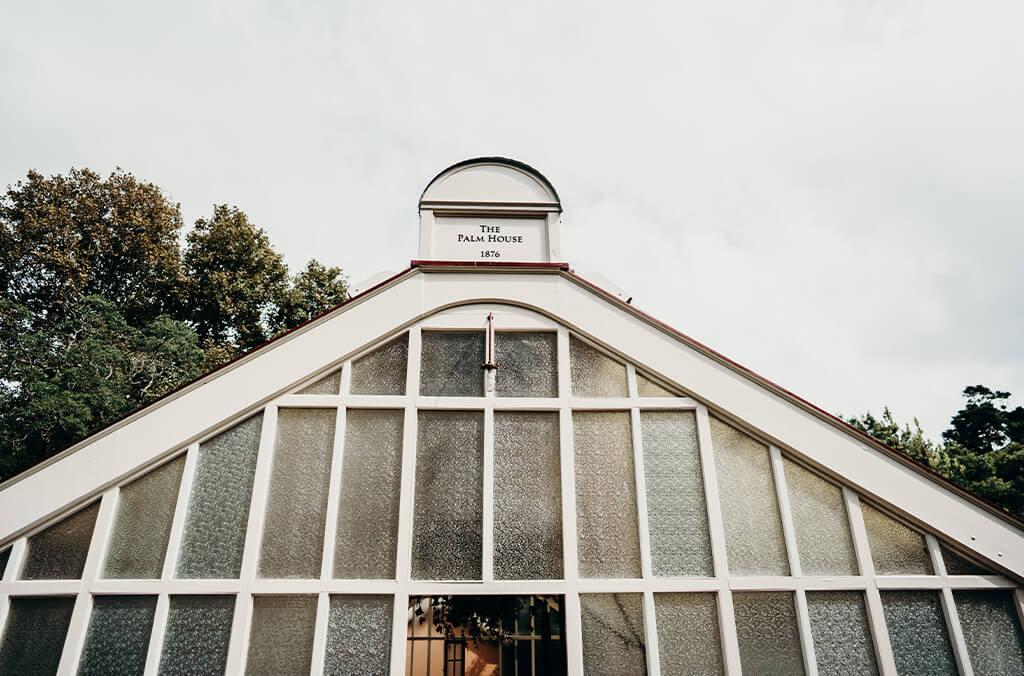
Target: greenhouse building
[[488, 465]]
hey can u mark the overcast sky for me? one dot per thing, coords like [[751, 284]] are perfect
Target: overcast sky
[[830, 193]]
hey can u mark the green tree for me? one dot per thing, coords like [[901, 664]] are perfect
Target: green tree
[[910, 440], [69, 377], [66, 237], [314, 290], [236, 281]]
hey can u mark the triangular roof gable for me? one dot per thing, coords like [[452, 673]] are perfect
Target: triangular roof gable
[[732, 392]]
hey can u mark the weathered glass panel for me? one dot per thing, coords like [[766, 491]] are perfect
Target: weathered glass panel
[[58, 552], [359, 636], [753, 528], [145, 510], [329, 384], [447, 527], [281, 637], [593, 373], [606, 521], [917, 632], [382, 371], [676, 510], [766, 628], [992, 631], [821, 523], [197, 635], [371, 476], [648, 388], [118, 636], [218, 510], [895, 549], [842, 639], [527, 364], [33, 638], [452, 364], [527, 496], [688, 638], [293, 533], [960, 565], [613, 634]]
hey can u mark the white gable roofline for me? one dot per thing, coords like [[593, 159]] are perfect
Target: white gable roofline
[[211, 403]]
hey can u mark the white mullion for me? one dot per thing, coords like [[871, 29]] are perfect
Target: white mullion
[[238, 647], [323, 609], [716, 527], [406, 507], [793, 553], [956, 633], [949, 611], [14, 560], [334, 489], [488, 497], [631, 387], [82, 612], [651, 635], [399, 628], [156, 638], [573, 627], [180, 512], [641, 495], [872, 598]]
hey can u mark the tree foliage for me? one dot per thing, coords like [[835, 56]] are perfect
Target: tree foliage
[[983, 449], [104, 308]]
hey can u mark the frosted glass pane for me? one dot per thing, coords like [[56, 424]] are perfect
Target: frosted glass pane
[[959, 565], [527, 496], [646, 387], [382, 371], [688, 637], [218, 509], [613, 634], [58, 552], [118, 636], [821, 523], [447, 526], [33, 638], [917, 632], [281, 638], [676, 511], [992, 632], [359, 636], [371, 475], [145, 509], [594, 374], [842, 639], [329, 384], [753, 529], [527, 364], [452, 364], [895, 549], [766, 628], [4, 557], [293, 533], [606, 522], [197, 635]]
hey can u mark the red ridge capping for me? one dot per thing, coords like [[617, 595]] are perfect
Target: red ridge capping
[[421, 263]]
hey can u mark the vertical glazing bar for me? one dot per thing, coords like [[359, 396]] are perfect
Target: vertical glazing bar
[[793, 554], [93, 564], [572, 629], [651, 635], [488, 496], [14, 560], [180, 511], [334, 487], [239, 634], [156, 639], [726, 619], [949, 611], [403, 565], [323, 609], [876, 616]]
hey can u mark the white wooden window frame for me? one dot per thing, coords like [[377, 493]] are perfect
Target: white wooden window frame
[[723, 584]]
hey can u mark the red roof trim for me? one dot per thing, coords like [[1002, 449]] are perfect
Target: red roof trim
[[512, 265]]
